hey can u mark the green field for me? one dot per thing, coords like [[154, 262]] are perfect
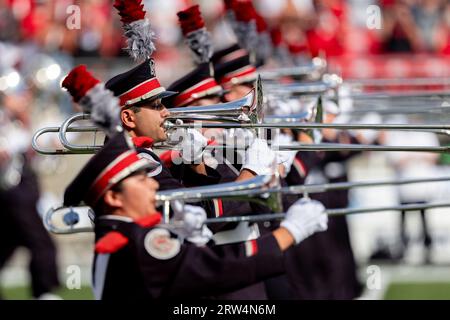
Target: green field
[[396, 291], [418, 291], [23, 293]]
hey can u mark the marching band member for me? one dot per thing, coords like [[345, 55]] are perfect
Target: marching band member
[[199, 88], [304, 279], [140, 93], [137, 257], [21, 224], [336, 277], [90, 93]]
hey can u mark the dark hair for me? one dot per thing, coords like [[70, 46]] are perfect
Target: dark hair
[[101, 208], [135, 108]]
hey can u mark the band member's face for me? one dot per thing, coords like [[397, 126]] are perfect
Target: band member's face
[[137, 197], [148, 121], [206, 101], [237, 92]]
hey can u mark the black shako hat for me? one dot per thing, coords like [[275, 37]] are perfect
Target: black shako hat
[[137, 85], [115, 161], [197, 84], [237, 71]]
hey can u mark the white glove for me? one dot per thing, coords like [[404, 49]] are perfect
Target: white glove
[[259, 158], [191, 142], [286, 158], [192, 218], [281, 108], [243, 138], [304, 218], [368, 136], [331, 107]]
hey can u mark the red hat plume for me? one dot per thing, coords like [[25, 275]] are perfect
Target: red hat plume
[[78, 82]]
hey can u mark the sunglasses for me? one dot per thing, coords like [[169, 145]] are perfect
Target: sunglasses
[[156, 105]]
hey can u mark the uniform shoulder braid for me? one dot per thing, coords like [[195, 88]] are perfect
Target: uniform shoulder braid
[[111, 242]]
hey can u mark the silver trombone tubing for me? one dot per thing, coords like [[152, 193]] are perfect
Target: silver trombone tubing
[[40, 132], [330, 212], [293, 147], [313, 88], [296, 146], [432, 81], [316, 65], [246, 109], [397, 95], [320, 188], [65, 126], [79, 219], [306, 126], [231, 190], [242, 110]]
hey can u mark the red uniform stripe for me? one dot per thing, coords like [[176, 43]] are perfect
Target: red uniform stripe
[[251, 248], [300, 167], [218, 207], [254, 246]]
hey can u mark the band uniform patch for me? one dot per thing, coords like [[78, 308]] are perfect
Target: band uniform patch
[[160, 245]]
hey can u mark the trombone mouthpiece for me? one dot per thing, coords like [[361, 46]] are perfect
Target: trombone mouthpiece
[[169, 125]]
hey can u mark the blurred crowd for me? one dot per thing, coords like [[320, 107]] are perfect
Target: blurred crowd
[[334, 27]]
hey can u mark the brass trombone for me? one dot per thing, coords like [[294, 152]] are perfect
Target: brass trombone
[[66, 220], [89, 149], [314, 69], [63, 151], [247, 113], [231, 190], [330, 212], [246, 110], [399, 82]]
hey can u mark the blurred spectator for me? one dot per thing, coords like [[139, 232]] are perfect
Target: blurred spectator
[[400, 32], [327, 31], [428, 17], [21, 224], [444, 30], [8, 25]]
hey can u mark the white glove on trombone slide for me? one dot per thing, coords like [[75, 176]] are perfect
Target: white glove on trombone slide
[[191, 142], [286, 158], [259, 158], [192, 218], [304, 218], [240, 138]]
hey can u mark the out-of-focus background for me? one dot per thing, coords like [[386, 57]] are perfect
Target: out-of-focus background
[[40, 42]]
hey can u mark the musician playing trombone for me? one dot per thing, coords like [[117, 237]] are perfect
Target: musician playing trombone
[[143, 113], [139, 258]]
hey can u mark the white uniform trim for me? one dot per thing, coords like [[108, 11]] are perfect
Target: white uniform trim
[[101, 266], [243, 232]]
